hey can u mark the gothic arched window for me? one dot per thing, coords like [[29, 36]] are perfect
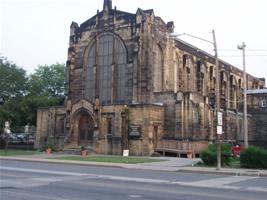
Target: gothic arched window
[[106, 78], [158, 69]]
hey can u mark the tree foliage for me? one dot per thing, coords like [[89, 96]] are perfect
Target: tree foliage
[[12, 80], [48, 80], [23, 94]]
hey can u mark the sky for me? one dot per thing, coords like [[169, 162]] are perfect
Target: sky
[[36, 32]]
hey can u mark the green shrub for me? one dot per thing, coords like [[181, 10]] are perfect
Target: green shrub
[[254, 157], [209, 155]]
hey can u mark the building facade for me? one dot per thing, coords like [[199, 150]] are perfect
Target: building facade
[[131, 85], [257, 108]]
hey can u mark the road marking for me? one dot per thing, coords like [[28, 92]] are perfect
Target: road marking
[[219, 183], [121, 178], [42, 171], [256, 189], [135, 196]]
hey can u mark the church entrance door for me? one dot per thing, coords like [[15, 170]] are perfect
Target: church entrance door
[[86, 129]]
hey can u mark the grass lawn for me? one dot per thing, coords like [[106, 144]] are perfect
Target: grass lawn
[[111, 159], [17, 152]]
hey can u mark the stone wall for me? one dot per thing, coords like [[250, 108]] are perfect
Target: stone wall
[[51, 126], [258, 128]]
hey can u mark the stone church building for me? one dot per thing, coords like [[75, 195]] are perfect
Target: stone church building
[[131, 85]]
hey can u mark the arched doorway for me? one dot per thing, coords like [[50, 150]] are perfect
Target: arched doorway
[[85, 128]]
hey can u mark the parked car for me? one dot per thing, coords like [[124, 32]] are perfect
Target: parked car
[[21, 137]]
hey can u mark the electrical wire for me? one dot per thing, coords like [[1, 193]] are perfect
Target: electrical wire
[[260, 50], [241, 55]]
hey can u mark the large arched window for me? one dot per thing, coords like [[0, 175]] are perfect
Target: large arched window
[[158, 69], [106, 78]]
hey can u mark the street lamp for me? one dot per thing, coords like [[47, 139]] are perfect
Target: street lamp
[[245, 122], [217, 91]]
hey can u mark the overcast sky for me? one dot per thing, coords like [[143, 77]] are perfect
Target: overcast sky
[[36, 32]]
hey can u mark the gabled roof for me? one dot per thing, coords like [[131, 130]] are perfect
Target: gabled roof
[[149, 11], [203, 54], [125, 15]]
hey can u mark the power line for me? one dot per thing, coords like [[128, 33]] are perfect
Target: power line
[[247, 50], [241, 55], [257, 50]]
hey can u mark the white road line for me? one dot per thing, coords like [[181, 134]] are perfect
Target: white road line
[[219, 183], [121, 178], [42, 171], [256, 189]]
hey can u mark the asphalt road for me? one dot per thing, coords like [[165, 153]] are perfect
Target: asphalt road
[[40, 181]]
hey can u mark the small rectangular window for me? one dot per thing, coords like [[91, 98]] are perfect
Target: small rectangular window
[[263, 104], [184, 60], [110, 125]]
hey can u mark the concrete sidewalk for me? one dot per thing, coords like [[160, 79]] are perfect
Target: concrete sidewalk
[[171, 164]]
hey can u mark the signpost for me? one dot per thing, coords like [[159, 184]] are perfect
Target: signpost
[[219, 118], [219, 133]]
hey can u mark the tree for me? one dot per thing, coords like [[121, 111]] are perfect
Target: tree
[[46, 88], [13, 87], [23, 95], [48, 80], [12, 80]]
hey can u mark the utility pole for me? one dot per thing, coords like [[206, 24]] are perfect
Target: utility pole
[[218, 106], [218, 114], [245, 121]]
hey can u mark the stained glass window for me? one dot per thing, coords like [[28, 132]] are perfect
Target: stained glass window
[[111, 54]]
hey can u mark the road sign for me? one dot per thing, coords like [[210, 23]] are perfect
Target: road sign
[[125, 153], [219, 130], [219, 119], [7, 125]]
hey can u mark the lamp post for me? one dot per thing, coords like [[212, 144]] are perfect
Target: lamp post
[[217, 92], [245, 122]]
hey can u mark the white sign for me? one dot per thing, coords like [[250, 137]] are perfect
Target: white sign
[[220, 119], [219, 130], [125, 153], [7, 124]]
